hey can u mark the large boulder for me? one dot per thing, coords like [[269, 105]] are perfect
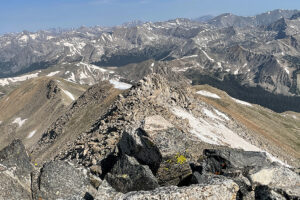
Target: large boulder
[[15, 172], [62, 180], [128, 175], [232, 162]]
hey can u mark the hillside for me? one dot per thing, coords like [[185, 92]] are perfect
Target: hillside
[[27, 111]]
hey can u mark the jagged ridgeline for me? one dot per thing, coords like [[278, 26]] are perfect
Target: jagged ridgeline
[[160, 139]]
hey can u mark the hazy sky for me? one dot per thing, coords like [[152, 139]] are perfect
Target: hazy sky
[[32, 15]]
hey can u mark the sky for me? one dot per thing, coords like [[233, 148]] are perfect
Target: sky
[[33, 15]]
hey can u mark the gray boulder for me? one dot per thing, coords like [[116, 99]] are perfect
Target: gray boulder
[[62, 180], [128, 175], [232, 162]]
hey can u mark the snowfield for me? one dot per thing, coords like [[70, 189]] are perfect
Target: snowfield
[[214, 132]]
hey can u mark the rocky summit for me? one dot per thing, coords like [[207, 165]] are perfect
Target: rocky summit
[[204, 108], [155, 140]]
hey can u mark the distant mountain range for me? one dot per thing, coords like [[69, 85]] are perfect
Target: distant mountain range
[[256, 52]]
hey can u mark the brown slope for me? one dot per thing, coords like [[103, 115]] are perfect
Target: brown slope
[[37, 103]]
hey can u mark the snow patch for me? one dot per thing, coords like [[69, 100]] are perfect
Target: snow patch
[[191, 56], [209, 58], [120, 85], [208, 94], [286, 70], [242, 102], [52, 73], [221, 114], [236, 72], [31, 134], [33, 36], [72, 78], [69, 94], [210, 114], [19, 121], [24, 38]]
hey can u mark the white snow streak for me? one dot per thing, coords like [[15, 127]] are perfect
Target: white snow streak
[[19, 121], [209, 58], [210, 114], [236, 72], [242, 102], [208, 94], [221, 114], [31, 134], [69, 94], [72, 78], [286, 70], [120, 85], [192, 56], [53, 73]]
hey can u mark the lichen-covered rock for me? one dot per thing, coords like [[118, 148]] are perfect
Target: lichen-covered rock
[[128, 175], [62, 180], [15, 169], [219, 190]]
